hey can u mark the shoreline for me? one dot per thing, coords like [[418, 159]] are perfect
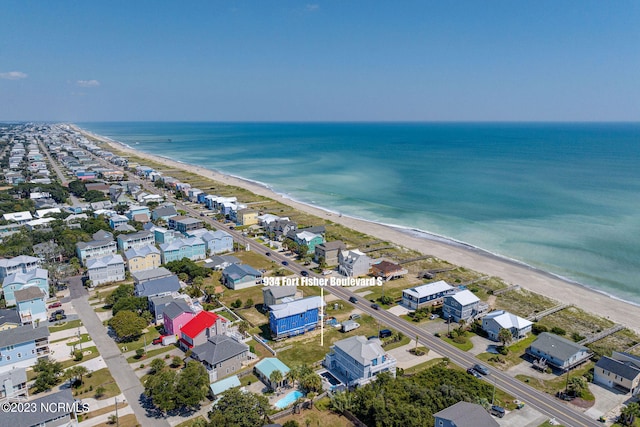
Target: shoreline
[[458, 253]]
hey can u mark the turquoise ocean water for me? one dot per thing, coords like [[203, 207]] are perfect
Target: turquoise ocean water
[[564, 198]]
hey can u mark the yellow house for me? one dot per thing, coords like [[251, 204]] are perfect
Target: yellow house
[[247, 217], [145, 258]]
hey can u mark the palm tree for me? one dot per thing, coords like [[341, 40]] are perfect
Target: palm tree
[[505, 336], [292, 376], [275, 378]]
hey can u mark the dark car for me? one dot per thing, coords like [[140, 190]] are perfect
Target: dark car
[[267, 253], [55, 305], [473, 372], [384, 333], [157, 341], [285, 263], [375, 306], [57, 317], [498, 411], [304, 273], [481, 368], [55, 313], [353, 300]]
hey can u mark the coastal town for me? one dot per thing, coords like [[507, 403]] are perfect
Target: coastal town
[[135, 293]]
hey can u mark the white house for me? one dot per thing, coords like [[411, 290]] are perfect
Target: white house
[[353, 263], [493, 322]]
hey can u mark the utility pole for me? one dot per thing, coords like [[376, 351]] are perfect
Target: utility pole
[[117, 418]]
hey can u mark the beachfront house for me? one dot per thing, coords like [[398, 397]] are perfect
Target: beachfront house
[[272, 295], [192, 248], [281, 227], [388, 270], [31, 305], [429, 294], [106, 269], [266, 367], [462, 305], [144, 258], [246, 217], [221, 355], [19, 264], [306, 238], [357, 360], [620, 371], [240, 276], [295, 317], [175, 316], [328, 251], [16, 281], [135, 240], [558, 352], [464, 414], [353, 263], [199, 329], [21, 347], [185, 223], [497, 320]]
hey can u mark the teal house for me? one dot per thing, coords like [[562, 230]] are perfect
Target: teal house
[[265, 368], [13, 282], [192, 248]]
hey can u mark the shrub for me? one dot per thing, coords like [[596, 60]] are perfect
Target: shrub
[[77, 355], [538, 329], [558, 331], [503, 350], [100, 392], [139, 353]]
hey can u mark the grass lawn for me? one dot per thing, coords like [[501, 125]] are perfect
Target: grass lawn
[[248, 379], [101, 377], [259, 349], [123, 421], [422, 366], [466, 346], [139, 343], [83, 339], [108, 409], [559, 382], [514, 357], [315, 417], [62, 326], [94, 353], [189, 423], [150, 354], [257, 261], [548, 424]]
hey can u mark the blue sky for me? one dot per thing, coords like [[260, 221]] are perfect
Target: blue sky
[[336, 60]]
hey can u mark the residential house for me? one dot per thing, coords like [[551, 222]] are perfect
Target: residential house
[[175, 315], [221, 355], [13, 282], [493, 322], [191, 248], [265, 219], [353, 263], [272, 295], [281, 227], [558, 352], [18, 217], [240, 276], [155, 287], [31, 304], [295, 317], [13, 384], [19, 264], [135, 240], [144, 258], [329, 252], [306, 238], [162, 235], [95, 249], [136, 213], [464, 414], [106, 269], [429, 294], [357, 361], [157, 306], [60, 411], [202, 327], [146, 275], [117, 220], [219, 387], [388, 270], [185, 223], [9, 319], [462, 305], [246, 217], [217, 241], [221, 262], [266, 367], [21, 347], [620, 371], [164, 213]]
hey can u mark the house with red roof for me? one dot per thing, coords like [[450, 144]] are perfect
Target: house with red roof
[[198, 330]]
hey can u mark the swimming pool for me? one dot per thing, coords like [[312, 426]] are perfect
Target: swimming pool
[[288, 399]]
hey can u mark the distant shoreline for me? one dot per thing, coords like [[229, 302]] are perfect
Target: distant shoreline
[[459, 253]]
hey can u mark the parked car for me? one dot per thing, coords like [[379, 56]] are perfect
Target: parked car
[[481, 368], [384, 333], [498, 411], [55, 305], [433, 316], [55, 313], [473, 372], [157, 341], [375, 306], [353, 300], [57, 317], [354, 316]]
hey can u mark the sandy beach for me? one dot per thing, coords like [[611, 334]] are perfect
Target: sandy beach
[[529, 278]]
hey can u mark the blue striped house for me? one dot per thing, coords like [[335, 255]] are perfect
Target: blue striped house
[[295, 317]]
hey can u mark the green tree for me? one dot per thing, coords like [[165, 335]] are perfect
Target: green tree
[[176, 361], [161, 388], [192, 385], [505, 336], [629, 414], [275, 377], [576, 385], [293, 375], [75, 374], [248, 303], [130, 303], [48, 374], [239, 409], [121, 291], [157, 365], [311, 382], [94, 196], [127, 325]]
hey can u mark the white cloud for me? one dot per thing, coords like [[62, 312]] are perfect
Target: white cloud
[[13, 75], [312, 7], [88, 83]]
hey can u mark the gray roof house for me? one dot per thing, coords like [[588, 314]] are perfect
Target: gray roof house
[[221, 355], [620, 371], [59, 412], [240, 276], [558, 352], [155, 287], [464, 414], [273, 295], [220, 262], [157, 305], [146, 275], [13, 383]]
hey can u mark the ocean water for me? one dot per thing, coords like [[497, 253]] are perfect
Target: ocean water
[[564, 198]]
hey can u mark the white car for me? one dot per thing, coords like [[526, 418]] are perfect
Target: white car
[[433, 316]]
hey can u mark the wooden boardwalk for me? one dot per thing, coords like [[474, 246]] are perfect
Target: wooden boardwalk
[[537, 316], [600, 335]]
